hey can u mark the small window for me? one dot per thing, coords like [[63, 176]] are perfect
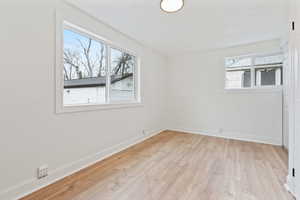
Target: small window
[[253, 71], [122, 76], [96, 72]]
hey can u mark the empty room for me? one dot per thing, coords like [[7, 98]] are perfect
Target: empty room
[[149, 100]]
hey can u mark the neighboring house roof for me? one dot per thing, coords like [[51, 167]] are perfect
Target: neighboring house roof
[[93, 82]]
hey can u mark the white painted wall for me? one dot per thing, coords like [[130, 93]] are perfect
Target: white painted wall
[[31, 133], [198, 103]]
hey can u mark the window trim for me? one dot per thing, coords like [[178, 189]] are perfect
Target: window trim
[[253, 67], [61, 25]]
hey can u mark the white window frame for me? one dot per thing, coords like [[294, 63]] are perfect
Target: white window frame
[[253, 68], [61, 25]]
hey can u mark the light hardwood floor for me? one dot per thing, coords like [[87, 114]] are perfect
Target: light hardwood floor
[[179, 166]]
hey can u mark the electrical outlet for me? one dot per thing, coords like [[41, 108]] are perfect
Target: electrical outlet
[[42, 171]]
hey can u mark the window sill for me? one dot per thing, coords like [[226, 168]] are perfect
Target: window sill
[[94, 107], [255, 90]]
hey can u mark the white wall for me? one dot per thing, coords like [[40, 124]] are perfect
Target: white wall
[[31, 133], [198, 103]]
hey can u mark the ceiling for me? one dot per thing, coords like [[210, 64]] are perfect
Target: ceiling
[[202, 24]]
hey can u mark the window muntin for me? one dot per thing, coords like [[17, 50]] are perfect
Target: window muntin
[[253, 71], [86, 62]]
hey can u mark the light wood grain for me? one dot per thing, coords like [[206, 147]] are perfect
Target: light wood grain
[[180, 166]]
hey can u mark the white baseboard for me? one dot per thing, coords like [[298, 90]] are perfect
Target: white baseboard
[[289, 186], [32, 185], [233, 135]]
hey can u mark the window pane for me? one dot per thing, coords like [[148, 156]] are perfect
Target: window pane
[[269, 71], [237, 62], [122, 76], [84, 70], [269, 60], [238, 78], [268, 76]]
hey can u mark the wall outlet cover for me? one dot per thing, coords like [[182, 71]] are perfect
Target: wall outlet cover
[[42, 171]]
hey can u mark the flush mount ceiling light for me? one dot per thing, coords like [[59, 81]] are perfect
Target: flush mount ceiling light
[[171, 6]]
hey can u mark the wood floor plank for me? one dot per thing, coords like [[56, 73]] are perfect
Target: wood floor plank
[[179, 166]]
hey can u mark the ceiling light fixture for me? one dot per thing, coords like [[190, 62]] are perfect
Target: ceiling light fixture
[[171, 6]]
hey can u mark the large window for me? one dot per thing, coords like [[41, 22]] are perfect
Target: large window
[[253, 71], [96, 72]]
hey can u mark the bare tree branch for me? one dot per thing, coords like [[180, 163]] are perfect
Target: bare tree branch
[[101, 60], [66, 74], [86, 51]]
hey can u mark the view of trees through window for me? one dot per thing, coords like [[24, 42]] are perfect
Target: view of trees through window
[[122, 68], [85, 71], [83, 57]]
